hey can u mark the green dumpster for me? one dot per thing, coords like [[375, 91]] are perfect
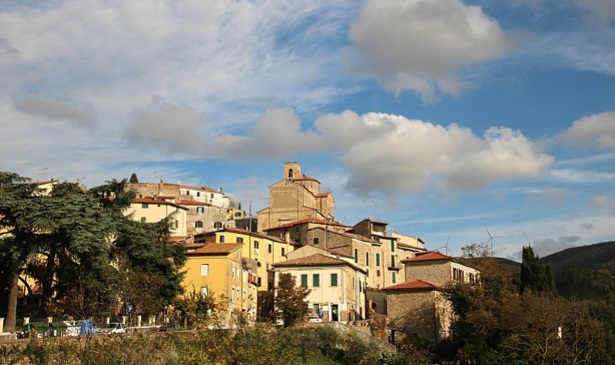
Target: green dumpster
[[36, 329], [57, 329]]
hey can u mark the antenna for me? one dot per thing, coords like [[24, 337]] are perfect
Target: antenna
[[491, 240]]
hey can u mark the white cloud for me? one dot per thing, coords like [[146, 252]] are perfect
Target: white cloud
[[392, 154], [420, 45], [597, 131]]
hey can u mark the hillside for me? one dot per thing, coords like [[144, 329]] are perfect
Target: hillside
[[583, 256], [586, 272]]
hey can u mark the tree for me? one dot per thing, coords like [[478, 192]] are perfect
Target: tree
[[19, 223], [82, 250], [475, 250], [133, 179], [290, 299], [536, 277]]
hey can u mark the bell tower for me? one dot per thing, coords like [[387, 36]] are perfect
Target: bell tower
[[292, 170]]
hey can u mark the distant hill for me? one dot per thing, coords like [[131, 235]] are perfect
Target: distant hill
[[585, 271], [582, 256]]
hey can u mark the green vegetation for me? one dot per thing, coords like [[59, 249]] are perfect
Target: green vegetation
[[290, 300], [81, 252], [259, 345]]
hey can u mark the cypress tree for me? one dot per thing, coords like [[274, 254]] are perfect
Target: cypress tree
[[536, 276]]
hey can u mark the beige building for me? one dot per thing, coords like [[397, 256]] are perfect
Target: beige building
[[438, 269], [221, 271], [149, 210], [294, 198], [207, 208], [337, 286]]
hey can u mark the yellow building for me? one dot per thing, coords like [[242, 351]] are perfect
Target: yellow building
[[221, 271], [262, 252]]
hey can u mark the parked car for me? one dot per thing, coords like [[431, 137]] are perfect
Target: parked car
[[314, 318], [113, 328]]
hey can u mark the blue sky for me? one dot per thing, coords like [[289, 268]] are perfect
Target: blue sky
[[441, 117]]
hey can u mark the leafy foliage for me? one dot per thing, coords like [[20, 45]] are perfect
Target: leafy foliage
[[290, 299]]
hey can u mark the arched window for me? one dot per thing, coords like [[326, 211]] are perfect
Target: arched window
[[290, 174]]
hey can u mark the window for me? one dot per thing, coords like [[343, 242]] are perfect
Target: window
[[232, 270], [269, 248], [218, 225], [204, 291], [239, 239], [316, 280], [143, 219], [394, 277], [204, 269], [221, 239], [233, 293], [283, 251], [144, 205], [198, 193], [315, 240], [198, 224], [392, 260], [367, 259], [176, 224], [378, 259], [356, 256], [333, 279], [290, 174], [200, 210], [212, 195], [255, 244], [304, 280], [392, 246], [237, 214]]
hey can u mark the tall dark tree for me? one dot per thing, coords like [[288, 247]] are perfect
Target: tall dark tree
[[290, 299], [133, 179], [20, 220], [536, 276], [82, 250]]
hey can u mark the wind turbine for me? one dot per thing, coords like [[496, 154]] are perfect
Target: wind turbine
[[491, 240]]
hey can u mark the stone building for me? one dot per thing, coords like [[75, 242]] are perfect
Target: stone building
[[418, 307], [294, 198]]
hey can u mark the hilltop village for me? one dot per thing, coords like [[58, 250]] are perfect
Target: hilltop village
[[355, 273]]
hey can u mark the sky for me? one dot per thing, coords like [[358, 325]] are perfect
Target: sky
[[483, 121]]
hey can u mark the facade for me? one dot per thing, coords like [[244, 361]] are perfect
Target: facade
[[262, 251], [149, 210], [439, 269], [419, 308], [337, 286], [220, 270], [207, 208], [294, 198]]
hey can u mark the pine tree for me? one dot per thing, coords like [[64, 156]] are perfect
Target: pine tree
[[536, 277]]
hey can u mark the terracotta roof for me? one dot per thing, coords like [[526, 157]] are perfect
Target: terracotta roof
[[326, 193], [432, 256], [156, 201], [305, 178], [414, 285], [308, 220], [202, 188], [316, 260], [192, 202], [216, 249]]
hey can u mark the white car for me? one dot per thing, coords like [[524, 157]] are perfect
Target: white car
[[314, 318], [113, 328]]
